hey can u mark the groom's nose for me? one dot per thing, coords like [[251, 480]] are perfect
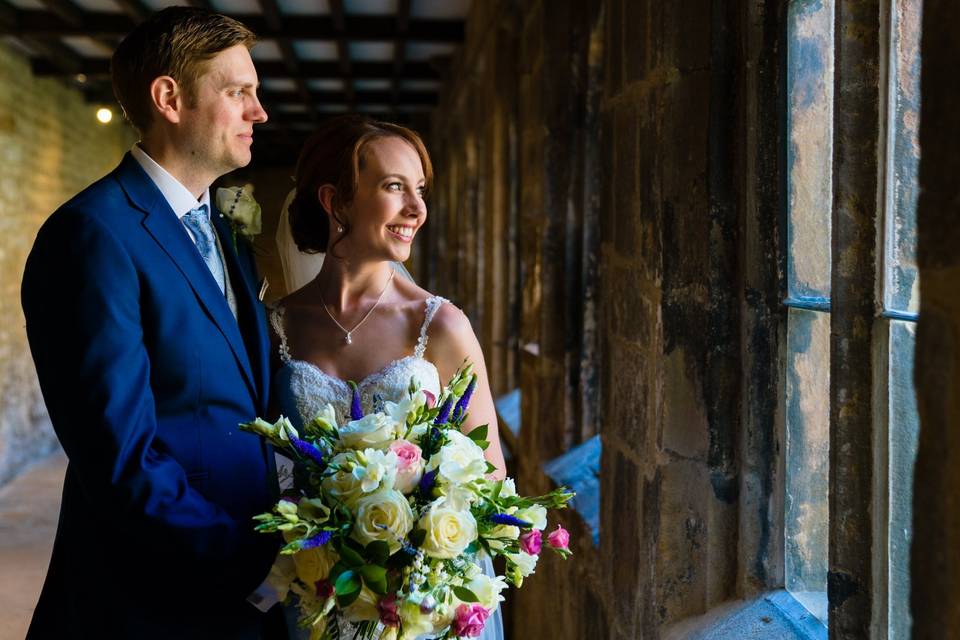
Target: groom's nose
[[256, 113]]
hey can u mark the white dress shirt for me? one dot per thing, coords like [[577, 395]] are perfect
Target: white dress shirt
[[182, 202]]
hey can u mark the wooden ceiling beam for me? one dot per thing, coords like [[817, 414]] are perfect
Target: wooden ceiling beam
[[358, 28], [271, 13], [64, 60], [135, 10], [66, 10], [343, 51], [413, 98], [400, 49], [96, 67]]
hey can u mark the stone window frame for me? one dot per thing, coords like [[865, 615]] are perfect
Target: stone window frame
[[856, 581]]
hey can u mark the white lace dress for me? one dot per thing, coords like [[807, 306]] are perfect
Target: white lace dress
[[303, 389]]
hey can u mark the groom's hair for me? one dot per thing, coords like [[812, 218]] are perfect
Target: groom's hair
[[176, 42], [335, 155]]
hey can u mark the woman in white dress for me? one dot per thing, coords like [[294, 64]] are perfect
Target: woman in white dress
[[360, 189]]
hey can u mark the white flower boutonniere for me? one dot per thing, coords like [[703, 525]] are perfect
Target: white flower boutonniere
[[239, 207]]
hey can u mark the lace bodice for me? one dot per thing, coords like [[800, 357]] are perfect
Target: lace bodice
[[303, 389]]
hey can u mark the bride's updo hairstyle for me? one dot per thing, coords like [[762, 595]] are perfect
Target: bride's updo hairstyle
[[335, 155]]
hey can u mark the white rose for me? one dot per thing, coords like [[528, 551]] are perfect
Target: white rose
[[237, 204], [524, 561], [385, 515], [363, 608], [537, 514], [379, 470], [373, 431], [488, 590], [343, 485], [449, 530], [460, 460], [509, 488]]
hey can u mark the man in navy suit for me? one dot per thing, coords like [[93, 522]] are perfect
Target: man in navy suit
[[150, 346]]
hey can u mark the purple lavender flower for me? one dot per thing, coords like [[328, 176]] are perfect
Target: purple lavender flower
[[307, 450], [444, 414], [318, 540], [461, 407], [427, 481], [356, 411], [507, 519]]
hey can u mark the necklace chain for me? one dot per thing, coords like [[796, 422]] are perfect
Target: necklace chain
[[348, 339]]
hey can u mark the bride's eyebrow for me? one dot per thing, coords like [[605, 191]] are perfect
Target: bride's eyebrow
[[401, 177]]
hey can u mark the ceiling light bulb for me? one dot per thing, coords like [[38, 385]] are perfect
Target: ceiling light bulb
[[104, 115]]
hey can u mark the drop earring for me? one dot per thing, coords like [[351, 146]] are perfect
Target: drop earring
[[339, 228]]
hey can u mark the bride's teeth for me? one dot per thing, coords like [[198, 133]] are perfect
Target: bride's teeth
[[406, 232]]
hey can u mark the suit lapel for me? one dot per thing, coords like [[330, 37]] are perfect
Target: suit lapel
[[162, 223], [249, 310]]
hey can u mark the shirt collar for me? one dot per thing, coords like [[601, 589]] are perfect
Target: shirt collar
[[177, 196]]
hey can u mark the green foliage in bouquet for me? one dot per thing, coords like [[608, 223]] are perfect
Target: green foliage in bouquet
[[390, 511]]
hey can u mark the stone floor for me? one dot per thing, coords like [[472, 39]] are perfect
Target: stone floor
[[29, 506]]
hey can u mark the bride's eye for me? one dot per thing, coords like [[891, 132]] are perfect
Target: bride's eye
[[395, 186]]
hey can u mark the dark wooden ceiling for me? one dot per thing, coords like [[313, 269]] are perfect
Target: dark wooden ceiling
[[315, 57]]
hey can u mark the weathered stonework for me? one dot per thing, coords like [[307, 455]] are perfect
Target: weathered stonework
[[51, 147], [666, 192]]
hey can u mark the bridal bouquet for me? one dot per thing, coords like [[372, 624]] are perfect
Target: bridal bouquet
[[390, 512]]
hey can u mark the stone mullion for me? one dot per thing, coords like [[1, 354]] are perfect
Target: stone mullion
[[856, 155]]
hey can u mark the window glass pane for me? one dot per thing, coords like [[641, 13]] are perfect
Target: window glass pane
[[808, 436], [810, 146], [902, 290], [903, 431]]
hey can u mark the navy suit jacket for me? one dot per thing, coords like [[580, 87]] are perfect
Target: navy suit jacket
[[146, 374]]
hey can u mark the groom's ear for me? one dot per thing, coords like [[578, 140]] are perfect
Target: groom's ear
[[167, 98]]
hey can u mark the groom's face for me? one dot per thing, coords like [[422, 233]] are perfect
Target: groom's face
[[218, 121]]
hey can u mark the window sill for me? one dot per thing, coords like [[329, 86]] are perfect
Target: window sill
[[771, 616]]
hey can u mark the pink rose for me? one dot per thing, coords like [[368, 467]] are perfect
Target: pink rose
[[388, 611], [559, 539], [470, 620], [408, 454], [409, 465], [531, 542]]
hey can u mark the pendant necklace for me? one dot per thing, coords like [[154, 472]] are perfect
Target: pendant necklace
[[348, 338]]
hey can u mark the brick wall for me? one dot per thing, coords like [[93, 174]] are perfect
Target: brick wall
[[51, 147]]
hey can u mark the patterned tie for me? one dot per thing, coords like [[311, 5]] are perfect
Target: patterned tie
[[198, 222]]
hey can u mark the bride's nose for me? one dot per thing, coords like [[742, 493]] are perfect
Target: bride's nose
[[415, 206]]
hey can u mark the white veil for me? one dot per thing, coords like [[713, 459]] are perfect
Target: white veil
[[299, 268]]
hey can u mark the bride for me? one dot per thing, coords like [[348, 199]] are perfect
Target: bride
[[360, 187]]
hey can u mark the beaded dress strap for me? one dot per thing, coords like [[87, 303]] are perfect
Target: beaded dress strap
[[433, 304], [276, 320]]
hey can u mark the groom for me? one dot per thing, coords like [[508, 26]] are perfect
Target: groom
[[151, 347]]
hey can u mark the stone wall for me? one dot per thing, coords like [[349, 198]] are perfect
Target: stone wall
[[607, 211], [51, 146]]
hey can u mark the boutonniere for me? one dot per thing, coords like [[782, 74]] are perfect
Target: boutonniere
[[237, 205]]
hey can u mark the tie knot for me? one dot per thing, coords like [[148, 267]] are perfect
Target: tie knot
[[199, 212]]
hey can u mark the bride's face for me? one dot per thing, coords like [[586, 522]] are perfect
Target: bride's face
[[388, 208]]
